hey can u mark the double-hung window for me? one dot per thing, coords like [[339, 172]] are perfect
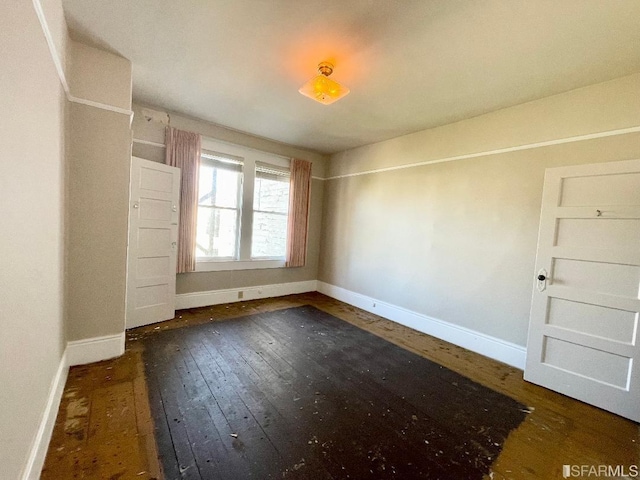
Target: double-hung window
[[243, 203], [219, 207], [270, 211]]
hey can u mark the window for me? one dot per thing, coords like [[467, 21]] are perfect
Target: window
[[243, 203], [270, 208], [219, 200]]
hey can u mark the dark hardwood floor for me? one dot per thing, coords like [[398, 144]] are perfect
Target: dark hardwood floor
[[298, 393], [104, 428]]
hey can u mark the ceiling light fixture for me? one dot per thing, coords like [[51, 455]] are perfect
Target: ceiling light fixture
[[321, 88]]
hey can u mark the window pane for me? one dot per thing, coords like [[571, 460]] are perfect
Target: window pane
[[271, 194], [269, 235], [216, 232], [218, 187]]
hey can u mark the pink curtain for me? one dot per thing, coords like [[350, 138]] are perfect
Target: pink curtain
[[183, 151], [299, 200]]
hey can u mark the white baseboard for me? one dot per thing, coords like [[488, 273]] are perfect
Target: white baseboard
[[216, 297], [77, 353], [486, 345], [40, 445], [102, 348], [95, 349]]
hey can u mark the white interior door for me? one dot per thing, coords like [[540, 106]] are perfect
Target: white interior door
[[583, 330], [153, 237]]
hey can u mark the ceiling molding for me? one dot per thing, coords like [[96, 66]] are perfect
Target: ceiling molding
[[528, 146], [57, 61]]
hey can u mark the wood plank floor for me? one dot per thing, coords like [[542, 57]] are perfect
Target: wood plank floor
[[104, 427], [298, 393]]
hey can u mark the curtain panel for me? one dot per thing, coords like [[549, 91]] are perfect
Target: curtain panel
[[183, 151], [298, 223]]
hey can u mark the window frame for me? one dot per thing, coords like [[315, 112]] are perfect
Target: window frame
[[281, 171], [250, 158], [210, 158]]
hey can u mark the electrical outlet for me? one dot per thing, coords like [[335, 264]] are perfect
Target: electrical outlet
[[240, 295]]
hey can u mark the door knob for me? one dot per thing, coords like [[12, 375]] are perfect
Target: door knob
[[542, 280]]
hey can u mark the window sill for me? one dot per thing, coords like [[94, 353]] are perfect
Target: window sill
[[221, 266]]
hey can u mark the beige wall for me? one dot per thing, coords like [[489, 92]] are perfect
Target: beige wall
[[206, 281], [57, 26], [597, 108], [457, 240], [99, 155], [99, 76], [64, 179], [153, 131], [98, 207], [31, 242]]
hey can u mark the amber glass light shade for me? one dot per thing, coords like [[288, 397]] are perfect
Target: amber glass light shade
[[322, 89]]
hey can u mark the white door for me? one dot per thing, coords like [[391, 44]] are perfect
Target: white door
[[153, 237], [583, 330]]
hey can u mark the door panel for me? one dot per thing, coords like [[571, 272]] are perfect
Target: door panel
[[153, 266], [610, 323], [151, 295], [154, 242], [601, 233], [583, 330], [591, 363], [154, 180], [611, 278], [594, 191], [153, 232], [153, 209]]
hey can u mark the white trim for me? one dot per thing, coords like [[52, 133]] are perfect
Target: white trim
[[486, 345], [148, 142], [528, 146], [102, 106], [203, 265], [217, 297], [40, 445], [52, 46], [76, 353], [57, 61], [223, 147], [95, 349], [162, 145], [221, 144]]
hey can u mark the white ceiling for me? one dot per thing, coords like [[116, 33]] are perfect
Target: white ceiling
[[410, 64]]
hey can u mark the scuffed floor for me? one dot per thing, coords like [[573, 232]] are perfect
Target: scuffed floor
[[104, 428], [299, 394]]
